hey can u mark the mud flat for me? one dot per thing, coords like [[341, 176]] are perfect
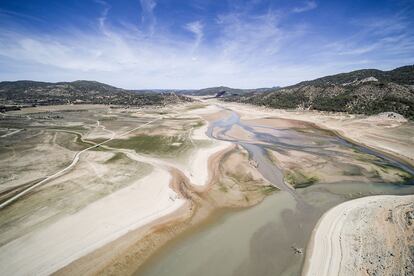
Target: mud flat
[[128, 253], [366, 236], [197, 168], [270, 238], [177, 181], [203, 181], [391, 135], [86, 209], [46, 250]]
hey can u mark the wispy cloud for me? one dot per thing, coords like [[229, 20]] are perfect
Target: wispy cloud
[[148, 18], [388, 36], [7, 13], [196, 28], [247, 50], [254, 35], [307, 6], [104, 14], [242, 56]]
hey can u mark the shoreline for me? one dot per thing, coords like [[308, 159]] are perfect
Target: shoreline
[[314, 117], [129, 210], [97, 224], [154, 235], [134, 248], [129, 252], [391, 154], [114, 253], [345, 240]]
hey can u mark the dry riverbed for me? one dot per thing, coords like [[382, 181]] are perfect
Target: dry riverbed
[[165, 173], [392, 135], [157, 175]]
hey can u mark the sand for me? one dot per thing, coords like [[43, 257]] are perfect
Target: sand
[[113, 218], [150, 199], [366, 236], [126, 254], [48, 249], [198, 175], [393, 136], [197, 169]]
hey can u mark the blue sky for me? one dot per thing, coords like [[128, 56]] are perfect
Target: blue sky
[[201, 43]]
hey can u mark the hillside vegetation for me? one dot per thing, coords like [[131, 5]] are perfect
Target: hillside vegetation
[[223, 91], [367, 91], [44, 93]]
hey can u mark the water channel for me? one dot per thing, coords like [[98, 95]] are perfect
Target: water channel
[[262, 240]]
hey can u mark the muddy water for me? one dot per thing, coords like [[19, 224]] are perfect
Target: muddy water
[[261, 240]]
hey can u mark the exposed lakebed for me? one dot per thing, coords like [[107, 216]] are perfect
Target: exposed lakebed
[[268, 239]]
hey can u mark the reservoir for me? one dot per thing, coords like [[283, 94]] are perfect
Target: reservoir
[[271, 237]]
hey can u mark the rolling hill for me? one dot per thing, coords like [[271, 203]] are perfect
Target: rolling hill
[[44, 93], [366, 91], [224, 91]]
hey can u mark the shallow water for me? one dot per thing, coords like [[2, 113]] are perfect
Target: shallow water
[[260, 240]]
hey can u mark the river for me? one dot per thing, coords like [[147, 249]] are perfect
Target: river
[[264, 239]]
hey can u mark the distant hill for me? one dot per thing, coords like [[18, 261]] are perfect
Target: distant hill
[[211, 91], [223, 91], [402, 75], [367, 91], [45, 93]]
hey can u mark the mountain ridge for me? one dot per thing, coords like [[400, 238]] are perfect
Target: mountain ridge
[[366, 91], [81, 91]]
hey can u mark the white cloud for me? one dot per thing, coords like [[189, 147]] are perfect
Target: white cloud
[[247, 51], [104, 14], [148, 16], [307, 6], [241, 57], [258, 35], [388, 36], [196, 28], [136, 62]]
